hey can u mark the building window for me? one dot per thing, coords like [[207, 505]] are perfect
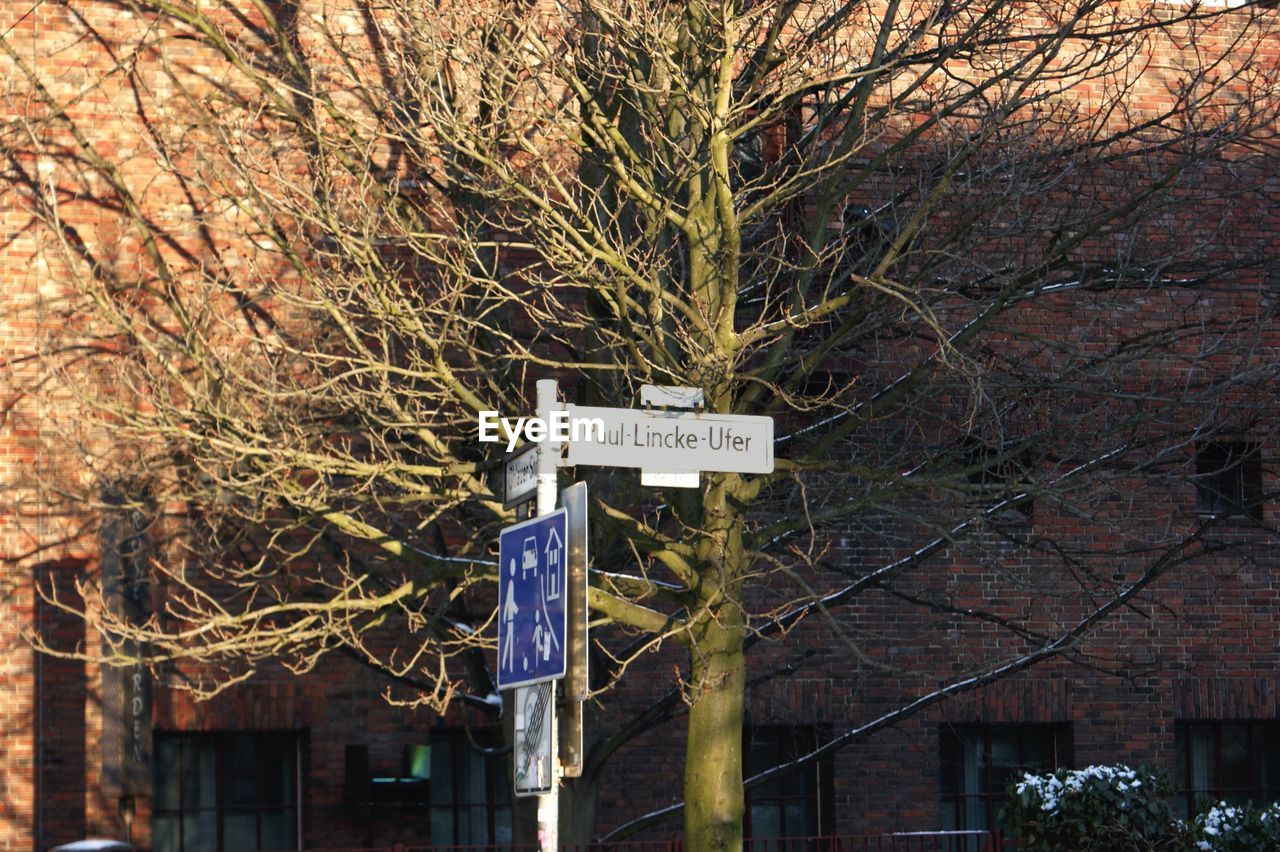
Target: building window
[[225, 792], [470, 791], [795, 805], [1236, 762], [829, 384], [1229, 480], [980, 761], [996, 472]]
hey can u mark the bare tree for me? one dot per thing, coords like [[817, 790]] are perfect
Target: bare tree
[[981, 261]]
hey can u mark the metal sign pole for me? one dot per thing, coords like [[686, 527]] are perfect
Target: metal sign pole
[[576, 680], [549, 805]]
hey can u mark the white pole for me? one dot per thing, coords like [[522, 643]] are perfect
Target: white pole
[[548, 455], [548, 391]]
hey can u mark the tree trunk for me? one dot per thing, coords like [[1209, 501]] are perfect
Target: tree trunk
[[713, 758]]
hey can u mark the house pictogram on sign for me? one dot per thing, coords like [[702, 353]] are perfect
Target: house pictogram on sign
[[553, 563]]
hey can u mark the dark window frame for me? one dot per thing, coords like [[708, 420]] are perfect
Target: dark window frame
[[223, 742], [1262, 746], [1228, 479], [996, 471], [792, 741], [496, 786], [1061, 750]]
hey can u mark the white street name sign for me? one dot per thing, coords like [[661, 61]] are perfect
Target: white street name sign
[[520, 476], [672, 440]]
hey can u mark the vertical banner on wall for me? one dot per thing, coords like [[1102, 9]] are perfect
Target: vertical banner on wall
[[126, 691]]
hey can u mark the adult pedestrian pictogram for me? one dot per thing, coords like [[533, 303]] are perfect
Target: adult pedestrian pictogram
[[531, 626]]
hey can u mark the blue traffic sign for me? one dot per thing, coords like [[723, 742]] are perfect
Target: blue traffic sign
[[533, 559]]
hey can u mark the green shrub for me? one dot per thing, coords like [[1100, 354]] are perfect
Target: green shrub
[[1227, 828], [1100, 808], [1118, 809]]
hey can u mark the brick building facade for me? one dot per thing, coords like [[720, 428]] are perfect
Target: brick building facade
[[1183, 679]]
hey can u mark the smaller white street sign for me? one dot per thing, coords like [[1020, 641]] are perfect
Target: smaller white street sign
[[520, 475], [672, 440], [668, 479], [675, 396]]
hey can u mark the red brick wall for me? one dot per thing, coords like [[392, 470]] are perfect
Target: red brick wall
[[1204, 646]]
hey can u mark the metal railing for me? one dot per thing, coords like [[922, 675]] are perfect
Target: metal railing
[[902, 841]]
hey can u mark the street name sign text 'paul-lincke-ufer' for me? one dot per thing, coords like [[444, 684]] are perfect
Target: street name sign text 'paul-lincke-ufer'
[[673, 440]]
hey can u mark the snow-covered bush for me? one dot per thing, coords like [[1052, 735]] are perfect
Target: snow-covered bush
[[1118, 809], [1098, 808], [1228, 828]]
